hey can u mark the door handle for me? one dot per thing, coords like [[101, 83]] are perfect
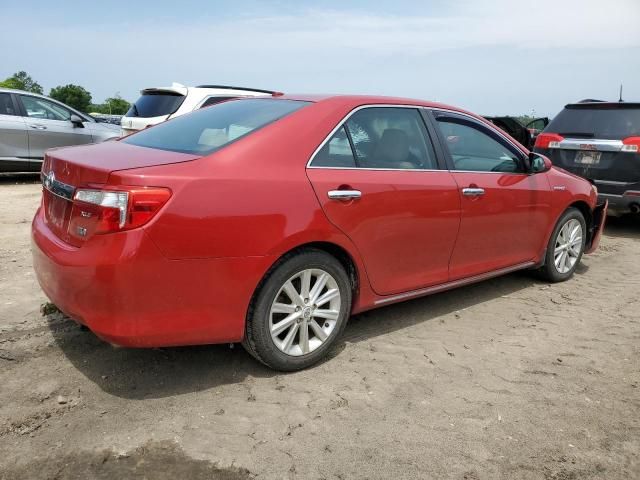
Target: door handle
[[38, 127], [344, 194], [473, 192]]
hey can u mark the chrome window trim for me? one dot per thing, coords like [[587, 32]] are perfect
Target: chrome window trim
[[344, 120], [415, 107]]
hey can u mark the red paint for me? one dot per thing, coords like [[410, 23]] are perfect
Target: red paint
[[187, 275]]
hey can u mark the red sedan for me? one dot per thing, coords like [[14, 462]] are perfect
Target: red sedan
[[270, 221]]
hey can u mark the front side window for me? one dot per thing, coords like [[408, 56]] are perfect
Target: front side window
[[6, 105], [208, 129], [472, 149], [44, 109]]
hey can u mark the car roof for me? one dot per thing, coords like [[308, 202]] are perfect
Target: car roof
[[591, 103], [360, 100]]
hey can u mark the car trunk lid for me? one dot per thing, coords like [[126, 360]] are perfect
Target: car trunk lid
[[65, 170]]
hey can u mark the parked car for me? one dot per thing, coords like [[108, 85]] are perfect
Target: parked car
[[269, 221], [31, 123], [157, 105], [599, 141], [524, 134]]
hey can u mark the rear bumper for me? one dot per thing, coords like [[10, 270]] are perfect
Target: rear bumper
[[620, 204], [597, 226], [122, 288]]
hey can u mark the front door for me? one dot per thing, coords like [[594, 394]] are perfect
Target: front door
[[505, 210], [48, 126], [378, 180]]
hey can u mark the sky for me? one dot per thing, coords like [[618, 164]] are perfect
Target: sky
[[493, 57]]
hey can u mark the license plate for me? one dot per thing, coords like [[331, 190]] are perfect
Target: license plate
[[587, 158]]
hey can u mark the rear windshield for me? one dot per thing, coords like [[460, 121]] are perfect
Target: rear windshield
[[156, 104], [606, 122], [209, 129]]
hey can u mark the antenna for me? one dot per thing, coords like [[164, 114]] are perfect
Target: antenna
[[620, 98]]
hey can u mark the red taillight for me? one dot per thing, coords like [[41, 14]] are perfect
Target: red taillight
[[97, 211], [631, 144], [548, 140]]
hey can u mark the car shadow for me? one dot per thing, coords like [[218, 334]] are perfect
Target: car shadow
[[162, 372], [139, 373], [385, 320], [627, 226], [19, 178]]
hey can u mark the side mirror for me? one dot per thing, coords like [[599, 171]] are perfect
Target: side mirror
[[539, 163], [76, 120]]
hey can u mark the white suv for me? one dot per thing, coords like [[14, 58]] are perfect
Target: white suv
[[156, 105]]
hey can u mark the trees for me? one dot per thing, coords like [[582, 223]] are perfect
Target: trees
[[115, 105], [73, 95], [22, 81]]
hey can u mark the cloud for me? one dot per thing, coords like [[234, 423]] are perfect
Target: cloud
[[449, 50]]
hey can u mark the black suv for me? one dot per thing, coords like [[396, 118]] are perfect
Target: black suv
[[599, 141], [525, 134]]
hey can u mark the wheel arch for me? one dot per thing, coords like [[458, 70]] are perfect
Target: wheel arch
[[584, 208]]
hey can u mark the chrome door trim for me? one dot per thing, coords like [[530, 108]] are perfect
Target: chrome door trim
[[344, 194], [472, 191], [454, 284]]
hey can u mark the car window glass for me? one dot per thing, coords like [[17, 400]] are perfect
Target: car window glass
[[6, 105], [208, 129], [472, 149], [389, 137], [336, 152], [44, 109], [213, 100], [155, 104]]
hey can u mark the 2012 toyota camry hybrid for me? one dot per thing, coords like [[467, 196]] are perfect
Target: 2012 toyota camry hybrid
[[269, 221]]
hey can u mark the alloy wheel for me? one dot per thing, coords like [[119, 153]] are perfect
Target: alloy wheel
[[568, 246], [305, 312]]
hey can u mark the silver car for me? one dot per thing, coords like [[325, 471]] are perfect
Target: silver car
[[31, 123]]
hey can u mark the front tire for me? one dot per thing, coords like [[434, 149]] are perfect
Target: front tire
[[565, 247], [299, 311]]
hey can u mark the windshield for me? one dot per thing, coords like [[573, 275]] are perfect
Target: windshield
[[209, 129], [605, 122], [155, 104]]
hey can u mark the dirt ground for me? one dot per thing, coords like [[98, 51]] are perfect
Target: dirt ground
[[508, 379]]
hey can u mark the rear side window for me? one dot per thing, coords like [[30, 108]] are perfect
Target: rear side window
[[603, 122], [6, 105], [336, 152], [209, 129], [155, 104], [387, 138]]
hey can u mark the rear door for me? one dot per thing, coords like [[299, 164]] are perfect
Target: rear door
[[505, 210], [14, 144], [378, 180], [49, 125]]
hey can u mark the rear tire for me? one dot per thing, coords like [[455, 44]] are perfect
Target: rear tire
[[298, 311], [565, 247]]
